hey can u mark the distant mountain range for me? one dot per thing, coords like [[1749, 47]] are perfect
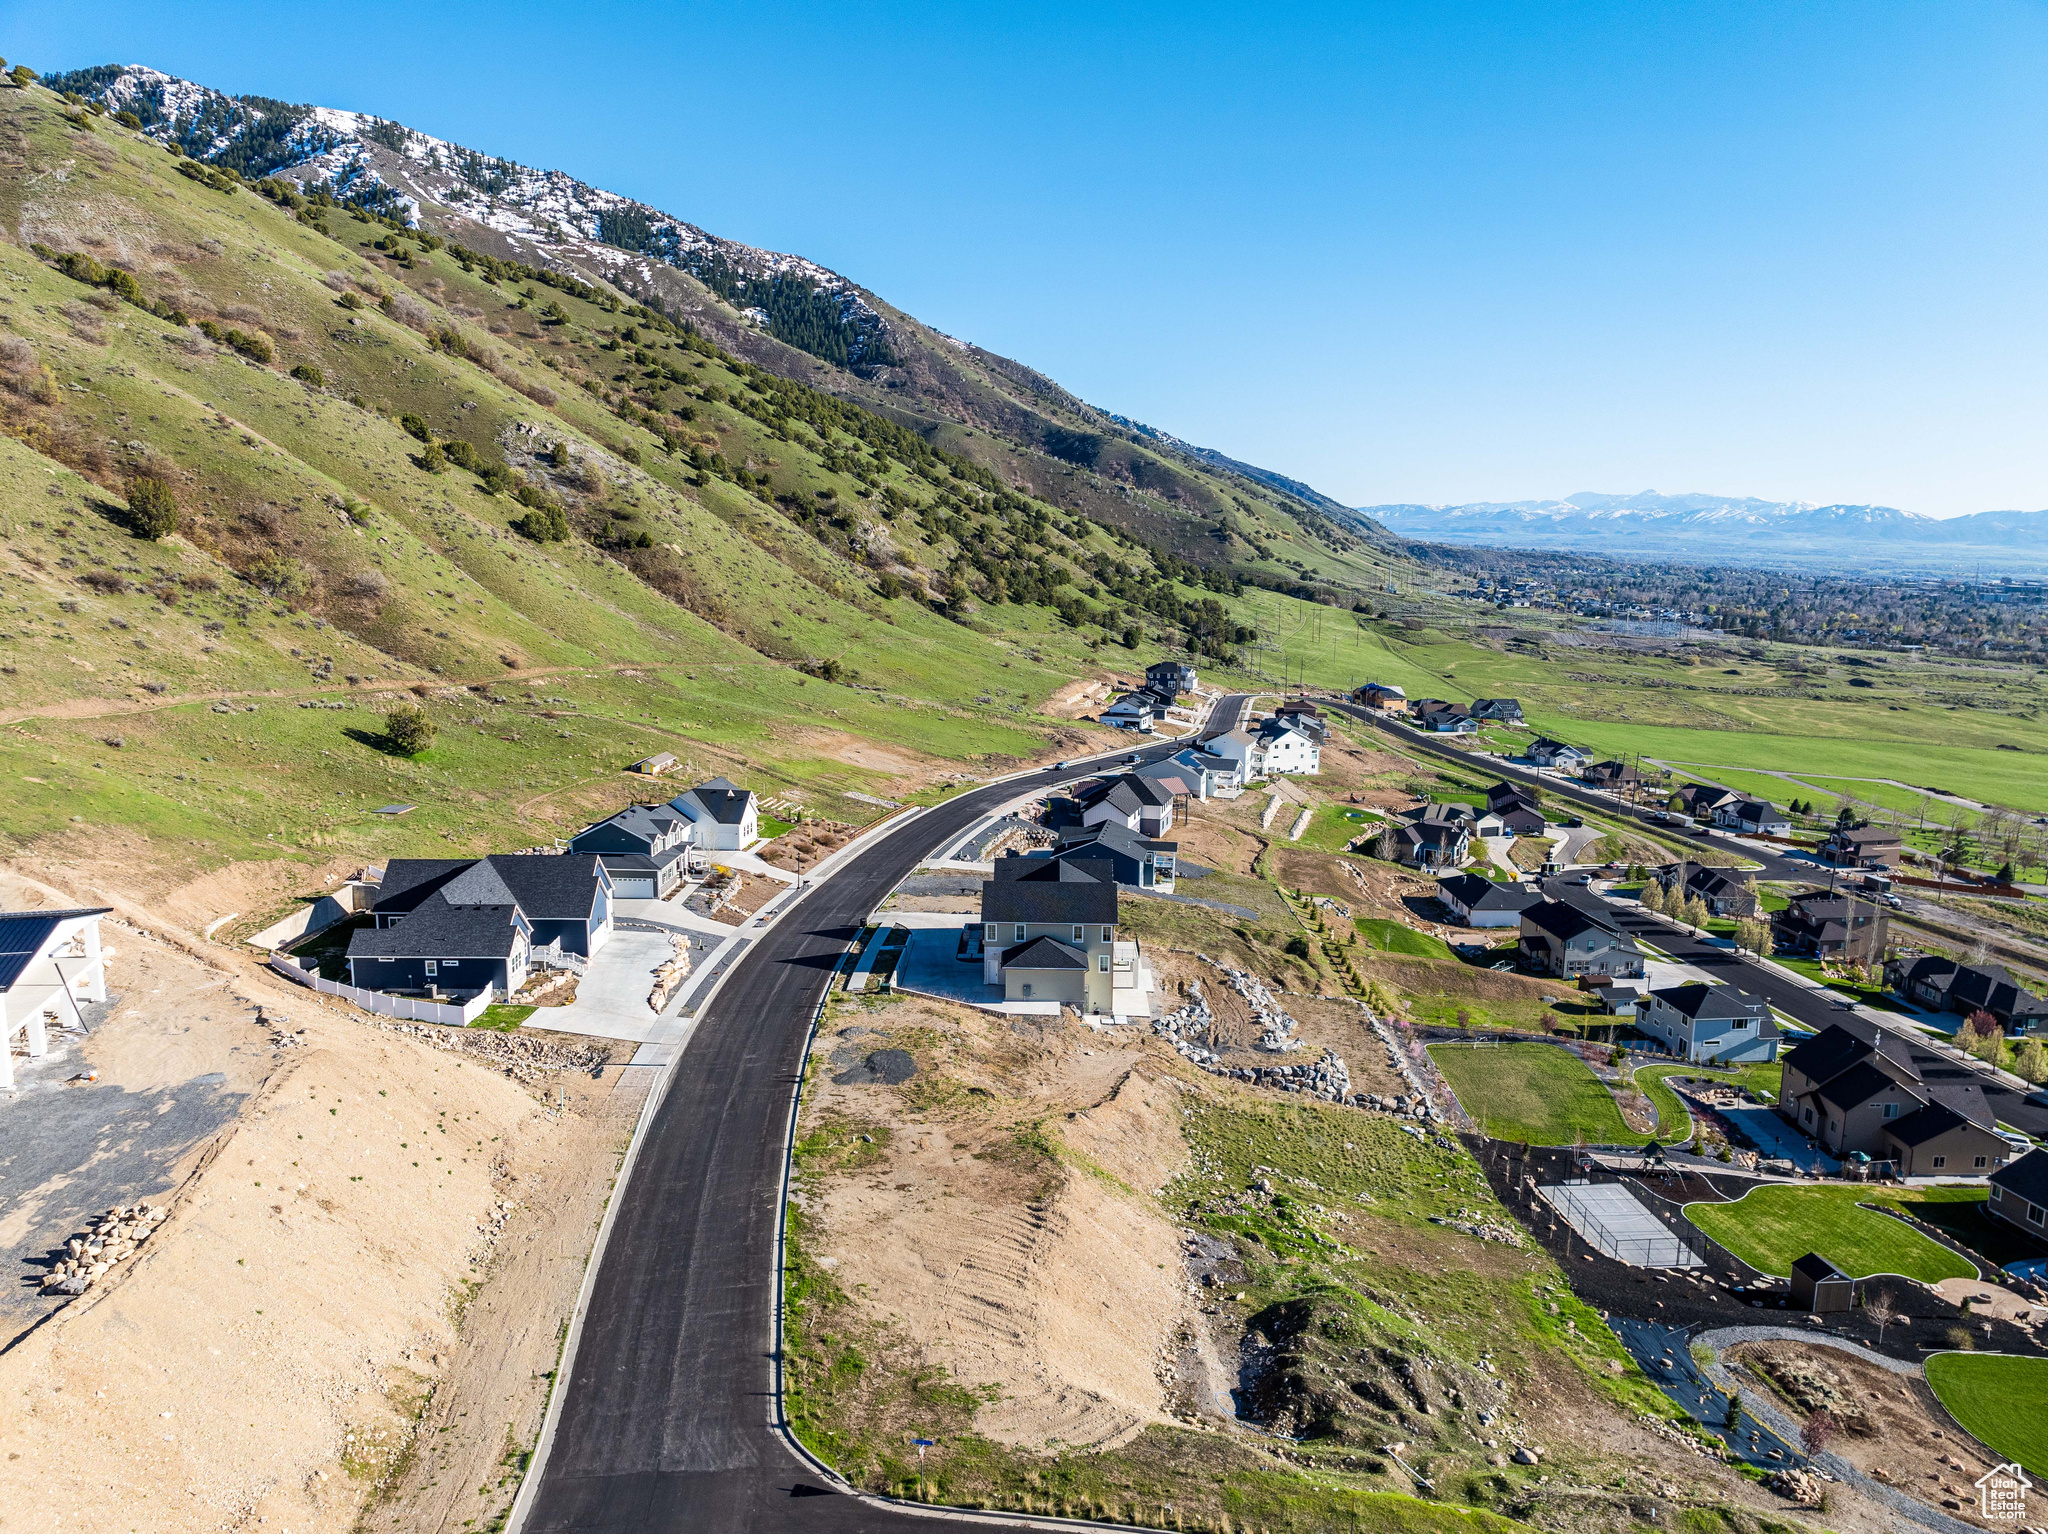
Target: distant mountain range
[[1719, 529]]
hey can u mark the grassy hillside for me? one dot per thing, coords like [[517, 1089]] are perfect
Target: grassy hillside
[[572, 532]]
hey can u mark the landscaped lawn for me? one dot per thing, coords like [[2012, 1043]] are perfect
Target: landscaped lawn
[[1389, 935], [1959, 1212], [1533, 1092], [502, 1018], [1770, 1228], [1334, 828], [2000, 1399], [1869, 995]]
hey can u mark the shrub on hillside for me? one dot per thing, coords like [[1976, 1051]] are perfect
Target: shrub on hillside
[[543, 524], [407, 729], [306, 373], [279, 576], [152, 508]]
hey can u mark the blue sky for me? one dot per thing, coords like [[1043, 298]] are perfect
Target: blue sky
[[1415, 252]]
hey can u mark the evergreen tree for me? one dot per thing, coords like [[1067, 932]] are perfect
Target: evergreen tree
[[152, 508], [408, 730]]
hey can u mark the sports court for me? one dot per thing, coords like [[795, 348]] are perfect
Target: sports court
[[1619, 1225]]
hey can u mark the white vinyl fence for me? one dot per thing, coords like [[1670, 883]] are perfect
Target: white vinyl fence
[[306, 972]]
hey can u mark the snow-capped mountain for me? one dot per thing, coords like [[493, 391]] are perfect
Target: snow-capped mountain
[[1718, 529], [544, 217]]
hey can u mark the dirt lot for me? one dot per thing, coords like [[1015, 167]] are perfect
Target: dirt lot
[[372, 1225], [1890, 1426]]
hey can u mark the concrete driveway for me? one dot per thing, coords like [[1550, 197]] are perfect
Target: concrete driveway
[[611, 998]]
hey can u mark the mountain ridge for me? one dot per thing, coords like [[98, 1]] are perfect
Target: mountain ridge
[[1750, 530], [783, 312]]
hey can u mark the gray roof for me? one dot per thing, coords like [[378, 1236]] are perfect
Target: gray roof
[[1044, 953], [547, 887], [1928, 1123], [1476, 892], [23, 933], [649, 822], [408, 881], [1700, 1000], [1816, 1267], [440, 929], [724, 801], [1047, 890], [2026, 1177], [1563, 920], [1112, 835]]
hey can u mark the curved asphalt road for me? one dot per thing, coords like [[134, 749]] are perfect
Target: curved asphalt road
[[669, 1420]]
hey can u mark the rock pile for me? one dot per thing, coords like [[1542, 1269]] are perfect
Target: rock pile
[[1328, 1077], [1799, 1486], [1188, 1029], [523, 1059], [669, 978], [1473, 1222], [1276, 1028], [113, 1238], [1400, 1106]]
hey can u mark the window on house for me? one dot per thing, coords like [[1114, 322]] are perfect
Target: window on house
[[1995, 1191], [433, 968], [1980, 1163], [1102, 963], [994, 936], [1079, 934], [1020, 932], [2036, 1214], [1109, 934], [1831, 1126], [1891, 1110], [1941, 1161]]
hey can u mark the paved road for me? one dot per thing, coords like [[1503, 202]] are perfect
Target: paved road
[[1228, 714], [1813, 1008], [669, 1421]]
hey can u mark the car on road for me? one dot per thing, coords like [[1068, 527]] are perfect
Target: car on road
[[1893, 901], [1061, 766], [1131, 760], [1581, 878]]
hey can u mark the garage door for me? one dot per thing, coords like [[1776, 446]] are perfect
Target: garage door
[[633, 886]]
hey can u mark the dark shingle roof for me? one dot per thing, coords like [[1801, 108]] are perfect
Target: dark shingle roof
[[1816, 1267], [2026, 1177], [408, 881], [1044, 953], [1924, 1124], [1837, 1047], [439, 929], [547, 887], [1476, 892], [1047, 890], [724, 801], [1861, 1082], [1700, 1000], [1563, 920], [23, 933]]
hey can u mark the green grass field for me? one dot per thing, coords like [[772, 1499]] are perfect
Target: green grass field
[[1390, 936], [1772, 1227], [1534, 1092], [502, 1018], [1335, 827], [2002, 1401]]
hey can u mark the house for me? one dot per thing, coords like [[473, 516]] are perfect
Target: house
[[1237, 748], [1142, 862], [1831, 925], [1700, 800], [1752, 817], [1723, 893], [1049, 933], [1612, 775], [1203, 775], [1617, 998], [1305, 717], [1557, 756], [1819, 1287], [1856, 1088], [1383, 696], [1718, 1024], [1140, 804], [1422, 707], [1284, 750], [645, 848], [654, 766], [1515, 805], [50, 961], [723, 816], [1864, 847], [1478, 901], [2019, 1194], [1449, 720], [1132, 711], [1429, 842], [468, 925], [1569, 941], [1942, 984], [1170, 677], [1497, 710]]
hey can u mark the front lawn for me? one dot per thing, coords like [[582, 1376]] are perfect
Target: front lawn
[[1959, 1213], [1334, 827], [1534, 1092], [500, 1018], [2001, 1399], [1770, 1228], [1869, 995], [1391, 936]]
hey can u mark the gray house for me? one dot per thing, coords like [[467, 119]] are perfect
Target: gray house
[[1048, 933], [463, 926], [1710, 1023], [645, 848], [1479, 902], [1569, 941], [1139, 861]]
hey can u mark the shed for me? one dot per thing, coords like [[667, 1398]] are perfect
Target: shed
[[654, 766], [1821, 1287]]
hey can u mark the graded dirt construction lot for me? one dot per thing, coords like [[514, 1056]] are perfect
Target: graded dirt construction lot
[[368, 1222], [1103, 1282]]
